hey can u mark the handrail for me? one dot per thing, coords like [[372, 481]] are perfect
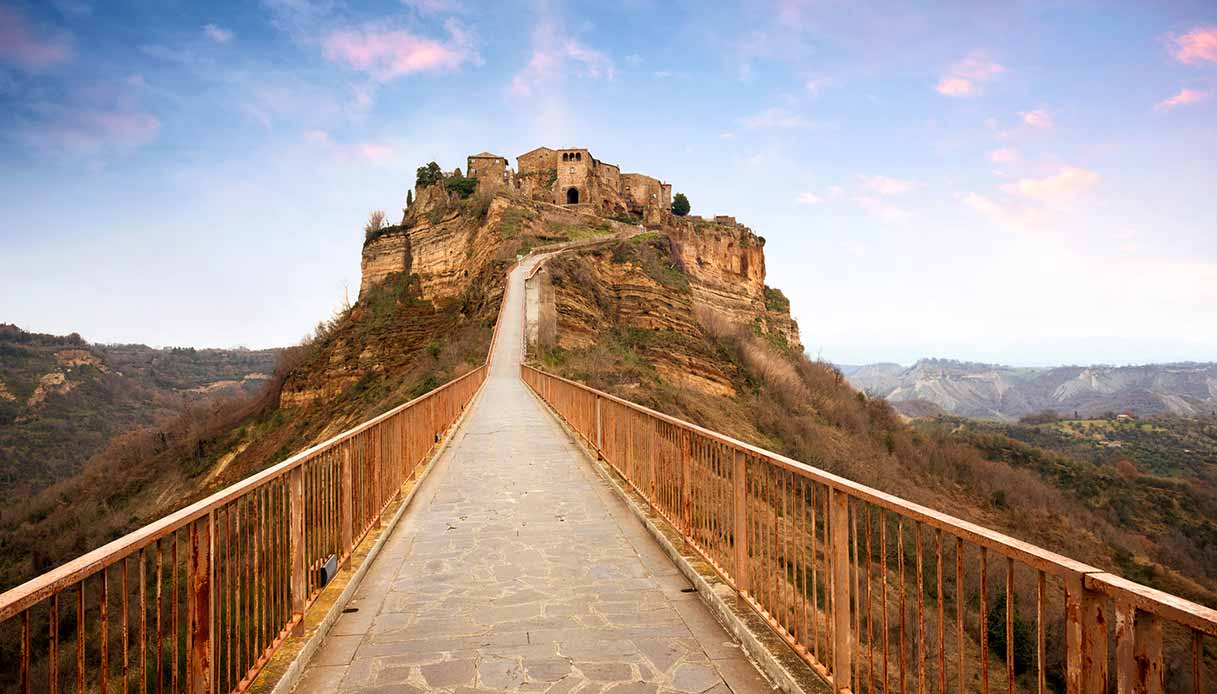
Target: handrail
[[785, 534], [251, 566]]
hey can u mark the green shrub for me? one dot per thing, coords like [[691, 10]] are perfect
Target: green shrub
[[775, 300], [428, 175], [680, 205], [463, 187]]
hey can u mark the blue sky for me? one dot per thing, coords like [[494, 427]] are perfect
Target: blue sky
[[1021, 182]]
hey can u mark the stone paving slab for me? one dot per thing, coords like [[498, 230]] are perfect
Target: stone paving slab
[[519, 570]]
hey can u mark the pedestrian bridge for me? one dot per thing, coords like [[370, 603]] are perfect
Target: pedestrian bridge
[[514, 531]]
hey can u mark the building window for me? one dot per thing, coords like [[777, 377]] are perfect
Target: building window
[[572, 169], [579, 156]]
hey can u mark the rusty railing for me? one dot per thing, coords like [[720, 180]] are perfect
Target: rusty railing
[[199, 600], [879, 594]]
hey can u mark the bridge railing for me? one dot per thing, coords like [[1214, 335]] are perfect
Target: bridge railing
[[199, 600], [879, 594]]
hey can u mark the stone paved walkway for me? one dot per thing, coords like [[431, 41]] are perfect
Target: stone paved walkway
[[518, 569]]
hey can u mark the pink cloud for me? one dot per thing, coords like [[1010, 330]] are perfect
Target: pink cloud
[[91, 132], [1038, 118], [373, 152], [1196, 46], [965, 77], [884, 185], [1183, 98], [808, 199], [320, 137], [955, 86], [1069, 183], [20, 43], [977, 67], [1005, 155], [217, 33], [388, 54], [548, 62]]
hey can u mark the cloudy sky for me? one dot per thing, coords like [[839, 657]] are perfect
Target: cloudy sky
[[1021, 182]]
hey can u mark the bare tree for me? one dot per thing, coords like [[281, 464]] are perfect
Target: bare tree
[[376, 222]]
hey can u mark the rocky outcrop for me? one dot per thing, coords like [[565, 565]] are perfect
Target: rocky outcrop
[[725, 262], [613, 288]]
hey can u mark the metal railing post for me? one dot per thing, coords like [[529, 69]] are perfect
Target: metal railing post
[[348, 510], [200, 571], [599, 431], [299, 582], [1085, 638], [1147, 654], [740, 533], [843, 637], [686, 482], [1073, 635], [1094, 642]]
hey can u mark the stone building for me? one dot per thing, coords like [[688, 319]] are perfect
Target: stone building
[[489, 169], [572, 176]]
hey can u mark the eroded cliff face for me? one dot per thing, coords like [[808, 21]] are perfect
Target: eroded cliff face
[[632, 293], [725, 262]]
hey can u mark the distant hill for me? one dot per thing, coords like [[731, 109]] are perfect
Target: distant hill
[[990, 391], [62, 399]]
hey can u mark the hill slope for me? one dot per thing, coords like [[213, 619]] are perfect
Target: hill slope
[[991, 391], [62, 399]]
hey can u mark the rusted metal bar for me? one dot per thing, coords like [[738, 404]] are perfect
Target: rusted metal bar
[[959, 600], [1147, 654], [870, 641], [842, 636], [103, 620], [1094, 642], [23, 680], [299, 581], [348, 511], [1126, 667], [143, 622], [80, 637], [1041, 600], [160, 633], [1009, 625], [900, 554], [1073, 635], [740, 531], [920, 611], [983, 624], [201, 657], [1198, 662], [174, 598], [883, 573], [53, 673], [942, 627], [857, 595]]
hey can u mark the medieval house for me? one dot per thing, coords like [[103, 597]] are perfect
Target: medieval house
[[574, 177]]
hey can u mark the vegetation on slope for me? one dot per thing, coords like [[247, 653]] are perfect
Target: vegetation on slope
[[62, 399]]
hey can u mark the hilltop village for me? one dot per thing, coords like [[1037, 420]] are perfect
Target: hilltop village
[[575, 177]]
